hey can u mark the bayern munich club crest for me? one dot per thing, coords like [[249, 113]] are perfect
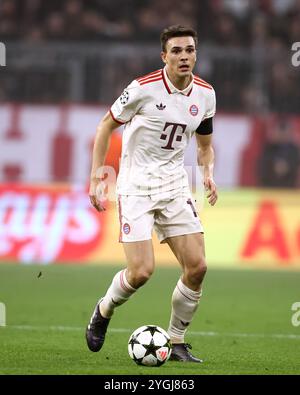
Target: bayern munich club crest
[[194, 110], [126, 228]]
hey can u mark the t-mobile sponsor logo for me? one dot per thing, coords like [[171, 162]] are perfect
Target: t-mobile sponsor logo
[[171, 134], [2, 54]]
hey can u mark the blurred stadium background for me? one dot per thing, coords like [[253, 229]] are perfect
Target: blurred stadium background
[[66, 62]]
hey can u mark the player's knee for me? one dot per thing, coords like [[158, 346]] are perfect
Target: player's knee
[[139, 277], [197, 271]]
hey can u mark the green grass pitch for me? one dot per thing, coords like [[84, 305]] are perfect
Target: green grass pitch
[[243, 324]]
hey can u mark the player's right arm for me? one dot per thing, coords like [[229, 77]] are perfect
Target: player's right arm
[[101, 145], [121, 112]]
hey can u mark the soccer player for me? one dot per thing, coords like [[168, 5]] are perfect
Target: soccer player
[[161, 111]]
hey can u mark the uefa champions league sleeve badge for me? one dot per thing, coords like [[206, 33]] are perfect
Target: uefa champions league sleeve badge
[[124, 97]]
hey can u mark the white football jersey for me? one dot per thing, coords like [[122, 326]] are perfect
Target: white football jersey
[[159, 123]]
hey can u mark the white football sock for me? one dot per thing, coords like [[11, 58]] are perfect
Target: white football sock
[[184, 305], [118, 293]]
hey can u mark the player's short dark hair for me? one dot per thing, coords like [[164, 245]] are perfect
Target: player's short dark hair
[[177, 31]]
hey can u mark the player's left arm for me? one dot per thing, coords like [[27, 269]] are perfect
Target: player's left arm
[[205, 157]]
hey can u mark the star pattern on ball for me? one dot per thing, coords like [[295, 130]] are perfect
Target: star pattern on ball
[[134, 340], [149, 345], [151, 328], [151, 349]]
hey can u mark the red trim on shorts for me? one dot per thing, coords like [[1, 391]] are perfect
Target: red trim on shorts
[[120, 219]]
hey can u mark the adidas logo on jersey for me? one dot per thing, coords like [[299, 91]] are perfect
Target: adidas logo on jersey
[[160, 107]]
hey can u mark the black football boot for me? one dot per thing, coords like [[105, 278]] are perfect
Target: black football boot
[[181, 353], [96, 330]]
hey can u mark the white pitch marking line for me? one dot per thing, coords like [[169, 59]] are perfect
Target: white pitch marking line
[[192, 333]]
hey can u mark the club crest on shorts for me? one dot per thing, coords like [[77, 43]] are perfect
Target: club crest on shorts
[[193, 110], [124, 97], [126, 228]]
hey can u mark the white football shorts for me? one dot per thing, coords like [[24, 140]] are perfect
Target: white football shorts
[[138, 215]]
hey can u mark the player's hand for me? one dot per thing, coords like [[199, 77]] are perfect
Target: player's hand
[[211, 188], [96, 194]]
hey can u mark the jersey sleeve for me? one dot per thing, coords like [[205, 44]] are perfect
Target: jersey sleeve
[[206, 125], [210, 105], [128, 104]]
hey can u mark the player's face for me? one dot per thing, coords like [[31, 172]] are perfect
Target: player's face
[[180, 56]]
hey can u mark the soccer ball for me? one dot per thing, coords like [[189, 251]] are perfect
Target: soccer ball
[[149, 345]]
